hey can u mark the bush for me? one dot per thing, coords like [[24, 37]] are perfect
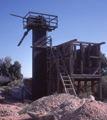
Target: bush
[[15, 83], [104, 89], [4, 80]]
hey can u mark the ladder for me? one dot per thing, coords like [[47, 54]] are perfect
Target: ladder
[[64, 75]]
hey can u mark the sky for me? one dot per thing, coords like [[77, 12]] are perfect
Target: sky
[[84, 20]]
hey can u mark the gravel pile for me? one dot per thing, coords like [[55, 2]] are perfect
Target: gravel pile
[[90, 111], [59, 105], [63, 106]]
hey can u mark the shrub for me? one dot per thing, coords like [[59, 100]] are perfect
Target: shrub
[[104, 89], [15, 83], [4, 80]]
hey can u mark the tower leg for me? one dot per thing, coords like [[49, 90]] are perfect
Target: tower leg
[[100, 89], [39, 63]]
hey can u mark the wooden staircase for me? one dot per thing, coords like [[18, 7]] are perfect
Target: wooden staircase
[[63, 73]]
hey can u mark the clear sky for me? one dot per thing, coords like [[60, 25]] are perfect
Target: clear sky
[[84, 20]]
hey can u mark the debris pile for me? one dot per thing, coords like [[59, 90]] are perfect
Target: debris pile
[[59, 107]]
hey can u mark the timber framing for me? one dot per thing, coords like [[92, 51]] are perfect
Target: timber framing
[[80, 60]]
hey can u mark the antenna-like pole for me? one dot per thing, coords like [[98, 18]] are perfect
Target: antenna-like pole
[[16, 15]]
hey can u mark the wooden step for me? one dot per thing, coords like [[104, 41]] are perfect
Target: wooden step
[[69, 88], [66, 80], [65, 76], [68, 84]]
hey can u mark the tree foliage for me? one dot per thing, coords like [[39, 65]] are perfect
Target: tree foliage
[[10, 70], [103, 64]]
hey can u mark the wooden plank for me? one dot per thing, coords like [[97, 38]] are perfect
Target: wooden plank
[[93, 86], [75, 59], [84, 75], [79, 85], [99, 62], [79, 44], [102, 43], [96, 70], [100, 89], [90, 42], [51, 64], [89, 86], [71, 59], [85, 84], [89, 49], [58, 72], [66, 42], [97, 57], [81, 58]]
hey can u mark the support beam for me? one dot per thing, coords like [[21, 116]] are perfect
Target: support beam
[[50, 91], [99, 60], [85, 84], [79, 85], [58, 72], [93, 86], [81, 58], [75, 59], [89, 67], [90, 42], [100, 89], [71, 59]]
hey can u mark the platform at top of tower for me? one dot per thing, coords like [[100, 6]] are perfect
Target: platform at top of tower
[[40, 20]]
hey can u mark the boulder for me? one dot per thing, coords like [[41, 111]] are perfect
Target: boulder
[[92, 98]]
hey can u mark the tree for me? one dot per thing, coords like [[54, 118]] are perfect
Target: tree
[[4, 65], [103, 64], [15, 71], [9, 70]]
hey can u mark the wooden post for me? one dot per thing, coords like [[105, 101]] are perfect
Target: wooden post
[[85, 84], [99, 61], [93, 86], [50, 74], [75, 59], [83, 60], [89, 68], [79, 86], [100, 89], [58, 72], [71, 59], [81, 54], [100, 80]]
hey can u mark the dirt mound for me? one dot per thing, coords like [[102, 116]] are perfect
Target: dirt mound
[[10, 112], [59, 105], [63, 106], [91, 111]]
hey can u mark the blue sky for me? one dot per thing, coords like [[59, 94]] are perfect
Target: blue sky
[[85, 20]]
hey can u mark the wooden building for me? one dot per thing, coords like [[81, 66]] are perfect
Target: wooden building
[[71, 63]]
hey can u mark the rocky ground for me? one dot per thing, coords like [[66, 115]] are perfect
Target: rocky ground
[[63, 106]]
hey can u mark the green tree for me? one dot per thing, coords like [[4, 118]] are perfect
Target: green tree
[[15, 71], [4, 65], [10, 70], [103, 64]]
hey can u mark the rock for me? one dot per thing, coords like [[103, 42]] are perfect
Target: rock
[[47, 116], [33, 114], [30, 118], [92, 98], [67, 102]]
